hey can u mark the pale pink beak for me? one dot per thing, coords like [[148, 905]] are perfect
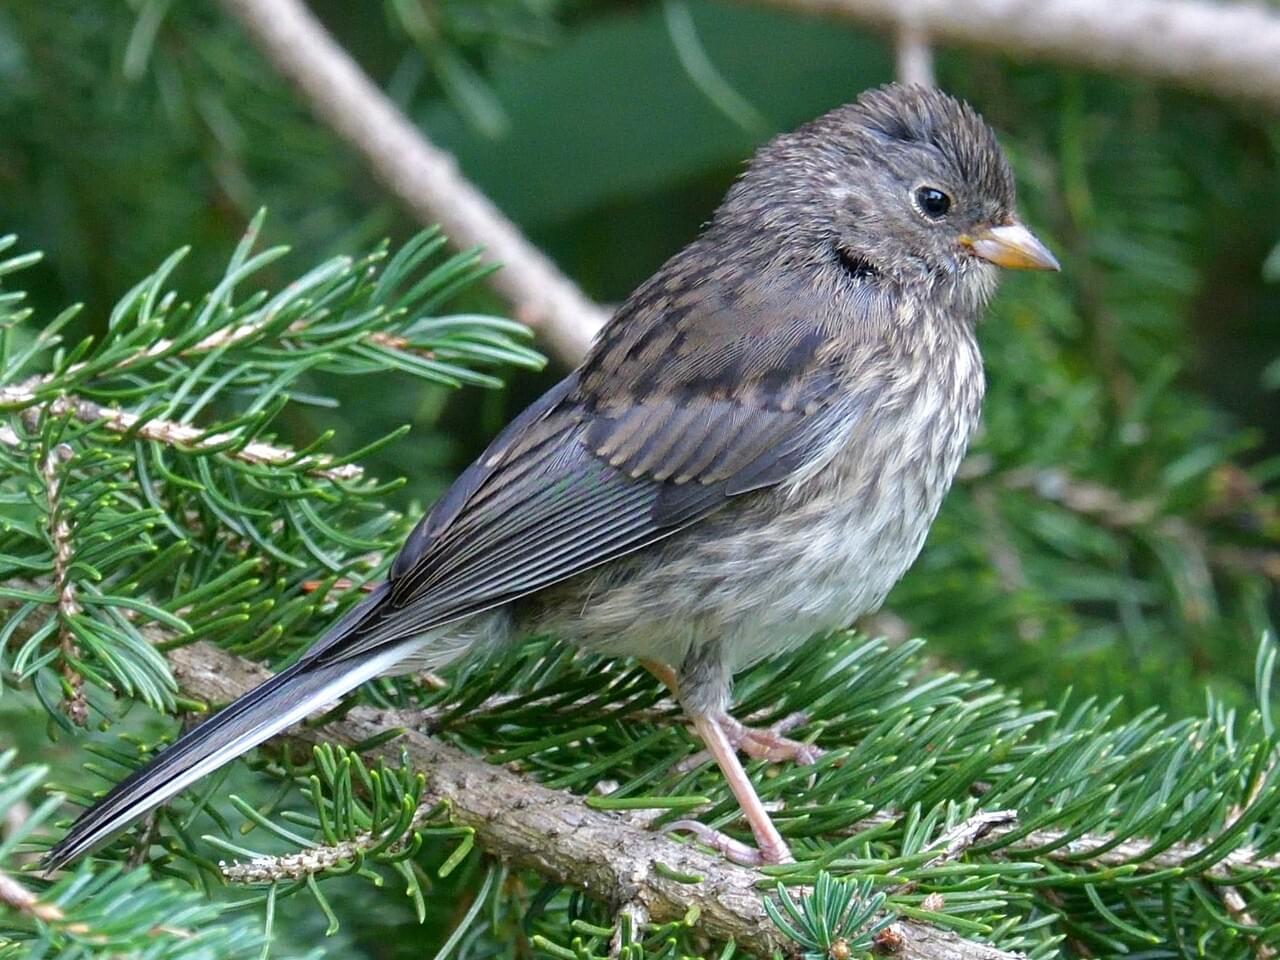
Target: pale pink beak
[[1011, 245]]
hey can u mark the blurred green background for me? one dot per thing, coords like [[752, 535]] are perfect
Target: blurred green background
[[1144, 375], [1117, 529]]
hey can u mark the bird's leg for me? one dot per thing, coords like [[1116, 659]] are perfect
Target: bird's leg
[[770, 847], [758, 743], [666, 676]]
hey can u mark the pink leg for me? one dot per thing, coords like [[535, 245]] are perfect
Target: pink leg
[[770, 847]]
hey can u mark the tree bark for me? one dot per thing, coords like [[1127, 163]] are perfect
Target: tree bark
[[555, 834], [1228, 49]]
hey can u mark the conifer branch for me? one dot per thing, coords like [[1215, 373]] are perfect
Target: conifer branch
[[313, 860], [62, 393], [17, 897], [1239, 910], [27, 394], [552, 832], [102, 911], [1107, 507], [1097, 850], [631, 913], [418, 173], [1231, 897], [166, 432], [960, 838], [555, 833], [619, 857], [1081, 496], [75, 705], [1101, 850]]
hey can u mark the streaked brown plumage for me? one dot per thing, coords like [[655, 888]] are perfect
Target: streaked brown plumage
[[753, 450]]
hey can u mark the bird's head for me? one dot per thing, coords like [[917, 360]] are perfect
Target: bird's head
[[906, 183]]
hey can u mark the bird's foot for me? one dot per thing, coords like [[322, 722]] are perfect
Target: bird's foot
[[733, 850], [770, 743], [761, 743]]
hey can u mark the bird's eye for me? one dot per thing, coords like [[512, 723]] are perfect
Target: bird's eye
[[932, 202]]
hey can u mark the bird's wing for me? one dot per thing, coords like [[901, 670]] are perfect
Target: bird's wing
[[687, 401]]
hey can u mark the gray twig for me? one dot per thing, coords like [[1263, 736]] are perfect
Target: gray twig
[[313, 860], [953, 844], [419, 174], [164, 431], [913, 55], [76, 706]]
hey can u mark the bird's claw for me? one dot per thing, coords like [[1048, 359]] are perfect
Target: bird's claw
[[733, 850], [769, 743], [761, 743]]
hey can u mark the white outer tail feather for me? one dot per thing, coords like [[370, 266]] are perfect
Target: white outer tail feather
[[89, 830], [331, 692]]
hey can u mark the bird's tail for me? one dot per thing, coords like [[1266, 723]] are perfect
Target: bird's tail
[[262, 712]]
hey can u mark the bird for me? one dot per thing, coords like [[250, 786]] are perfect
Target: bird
[[751, 453]]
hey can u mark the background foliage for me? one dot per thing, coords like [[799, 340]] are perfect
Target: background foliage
[[1116, 531]]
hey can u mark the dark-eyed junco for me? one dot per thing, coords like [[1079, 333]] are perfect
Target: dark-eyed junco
[[752, 451]]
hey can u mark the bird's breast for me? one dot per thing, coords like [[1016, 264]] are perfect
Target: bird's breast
[[854, 523], [776, 566]]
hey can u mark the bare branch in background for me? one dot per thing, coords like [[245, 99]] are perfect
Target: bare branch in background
[[1228, 49], [419, 174], [1232, 50], [913, 56]]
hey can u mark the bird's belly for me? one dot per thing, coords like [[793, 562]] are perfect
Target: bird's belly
[[830, 563], [774, 567], [761, 576]]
